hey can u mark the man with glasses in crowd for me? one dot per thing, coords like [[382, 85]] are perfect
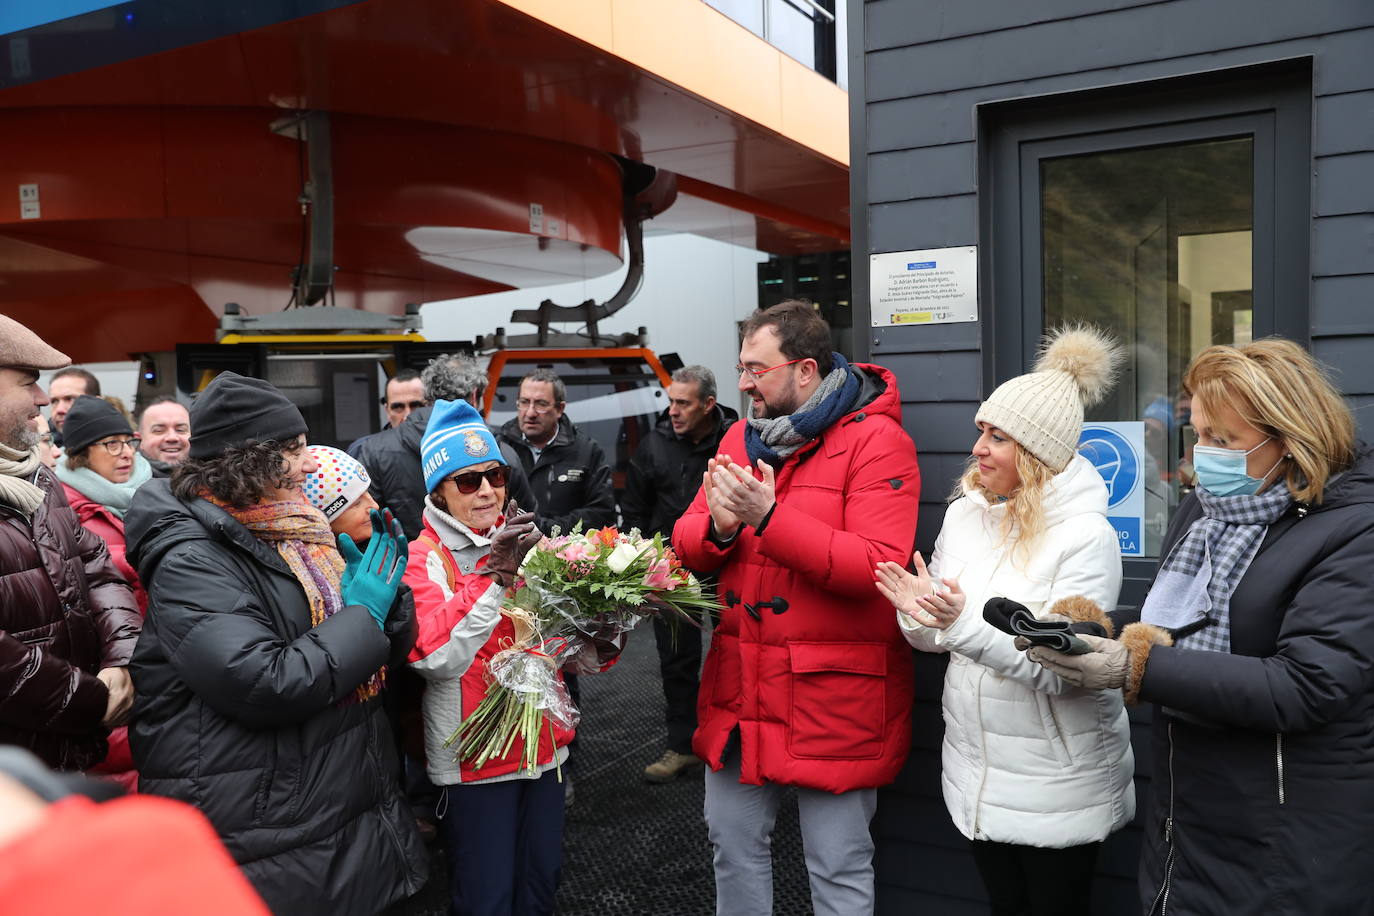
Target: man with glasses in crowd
[[808, 680], [566, 469], [664, 475], [68, 622], [165, 428]]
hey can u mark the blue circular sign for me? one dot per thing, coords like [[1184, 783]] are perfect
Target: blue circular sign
[[1115, 459]]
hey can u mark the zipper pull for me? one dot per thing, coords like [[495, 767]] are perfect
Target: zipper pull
[[1168, 830]]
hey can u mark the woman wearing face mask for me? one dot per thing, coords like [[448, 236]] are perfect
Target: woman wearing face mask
[[1256, 643], [263, 657], [1035, 771]]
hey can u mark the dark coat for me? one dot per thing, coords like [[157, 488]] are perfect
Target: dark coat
[[1271, 747], [245, 710], [392, 459], [65, 613], [665, 474], [571, 479]]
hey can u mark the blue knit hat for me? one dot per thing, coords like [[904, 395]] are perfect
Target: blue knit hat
[[457, 437]]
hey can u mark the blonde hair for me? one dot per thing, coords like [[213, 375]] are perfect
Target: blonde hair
[[1277, 387], [1025, 515]]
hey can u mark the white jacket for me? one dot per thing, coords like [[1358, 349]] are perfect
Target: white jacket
[[1027, 758]]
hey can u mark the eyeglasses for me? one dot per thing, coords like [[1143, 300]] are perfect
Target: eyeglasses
[[757, 374], [470, 482], [45, 438], [402, 405], [115, 446], [536, 406]]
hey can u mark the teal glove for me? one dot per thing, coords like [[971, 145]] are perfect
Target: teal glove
[[372, 577]]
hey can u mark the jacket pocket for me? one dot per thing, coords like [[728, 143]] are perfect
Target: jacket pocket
[[839, 699], [721, 677], [1053, 734]]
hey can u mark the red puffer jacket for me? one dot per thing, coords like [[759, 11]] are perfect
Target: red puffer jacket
[[118, 764], [820, 690]]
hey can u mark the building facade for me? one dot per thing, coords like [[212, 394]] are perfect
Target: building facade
[[1183, 173]]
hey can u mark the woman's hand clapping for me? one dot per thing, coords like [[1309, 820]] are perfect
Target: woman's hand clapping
[[916, 595]]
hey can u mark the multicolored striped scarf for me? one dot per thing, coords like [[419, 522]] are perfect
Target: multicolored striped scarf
[[301, 535]]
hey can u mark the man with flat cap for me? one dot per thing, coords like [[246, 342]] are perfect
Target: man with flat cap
[[68, 622]]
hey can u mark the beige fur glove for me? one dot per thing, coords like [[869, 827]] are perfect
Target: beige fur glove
[[1111, 664]]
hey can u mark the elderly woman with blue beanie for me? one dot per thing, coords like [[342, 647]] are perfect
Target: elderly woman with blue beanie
[[502, 827]]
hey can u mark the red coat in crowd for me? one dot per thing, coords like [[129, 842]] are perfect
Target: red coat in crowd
[[820, 692]]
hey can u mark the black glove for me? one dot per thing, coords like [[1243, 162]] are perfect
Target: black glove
[[1016, 619], [511, 543]]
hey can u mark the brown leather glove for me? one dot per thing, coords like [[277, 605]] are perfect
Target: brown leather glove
[[510, 544]]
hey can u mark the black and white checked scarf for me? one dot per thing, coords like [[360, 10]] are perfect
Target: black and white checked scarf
[[1227, 537]]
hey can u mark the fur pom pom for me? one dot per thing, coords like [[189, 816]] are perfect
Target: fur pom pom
[[1089, 355]]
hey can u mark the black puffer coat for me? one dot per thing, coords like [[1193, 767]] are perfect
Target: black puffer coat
[[665, 474], [570, 479], [65, 613], [392, 459], [244, 711], [1262, 799]]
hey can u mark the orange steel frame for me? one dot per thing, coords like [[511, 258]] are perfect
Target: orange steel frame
[[500, 358]]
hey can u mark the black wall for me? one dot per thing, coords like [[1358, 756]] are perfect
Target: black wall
[[918, 71]]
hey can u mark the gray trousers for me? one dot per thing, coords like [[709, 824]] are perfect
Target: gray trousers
[[835, 838]]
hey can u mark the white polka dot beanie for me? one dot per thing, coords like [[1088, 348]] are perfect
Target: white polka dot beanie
[[1043, 409], [338, 481]]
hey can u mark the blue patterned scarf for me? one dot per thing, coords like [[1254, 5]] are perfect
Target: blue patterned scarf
[[774, 440], [1196, 580]]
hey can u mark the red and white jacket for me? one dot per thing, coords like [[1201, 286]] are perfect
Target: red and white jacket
[[461, 628]]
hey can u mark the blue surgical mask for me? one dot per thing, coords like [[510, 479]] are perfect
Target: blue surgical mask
[[1222, 471]]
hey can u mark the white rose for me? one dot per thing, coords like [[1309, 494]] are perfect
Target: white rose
[[622, 557]]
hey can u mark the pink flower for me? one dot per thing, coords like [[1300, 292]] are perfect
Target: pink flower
[[574, 552], [660, 577]]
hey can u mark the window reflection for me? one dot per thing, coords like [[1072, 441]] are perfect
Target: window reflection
[[1155, 245]]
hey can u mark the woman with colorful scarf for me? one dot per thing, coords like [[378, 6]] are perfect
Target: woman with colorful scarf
[[100, 470], [1256, 645], [263, 655]]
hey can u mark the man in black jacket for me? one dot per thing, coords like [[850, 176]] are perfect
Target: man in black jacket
[[567, 470], [664, 476], [392, 456]]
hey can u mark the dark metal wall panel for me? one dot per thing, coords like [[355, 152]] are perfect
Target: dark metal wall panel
[[1157, 33], [918, 72], [890, 25], [1345, 183]]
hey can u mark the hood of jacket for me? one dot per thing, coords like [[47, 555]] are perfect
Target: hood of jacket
[[157, 521], [878, 392], [1353, 486]]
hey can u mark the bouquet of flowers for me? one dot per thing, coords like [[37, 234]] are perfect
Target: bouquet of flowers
[[577, 596]]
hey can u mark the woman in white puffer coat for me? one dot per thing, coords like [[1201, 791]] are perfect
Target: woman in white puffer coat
[[1036, 772]]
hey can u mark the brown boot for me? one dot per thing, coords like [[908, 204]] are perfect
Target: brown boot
[[670, 765]]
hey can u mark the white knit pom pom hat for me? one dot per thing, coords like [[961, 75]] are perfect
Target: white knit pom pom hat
[[1043, 409]]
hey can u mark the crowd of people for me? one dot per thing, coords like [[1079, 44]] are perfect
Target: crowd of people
[[199, 605]]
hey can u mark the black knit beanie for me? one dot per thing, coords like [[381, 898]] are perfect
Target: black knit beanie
[[234, 409], [89, 420]]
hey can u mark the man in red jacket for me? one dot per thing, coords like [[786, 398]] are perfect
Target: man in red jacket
[[807, 682]]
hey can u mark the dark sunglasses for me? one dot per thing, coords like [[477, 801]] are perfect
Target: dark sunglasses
[[471, 481], [402, 405]]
